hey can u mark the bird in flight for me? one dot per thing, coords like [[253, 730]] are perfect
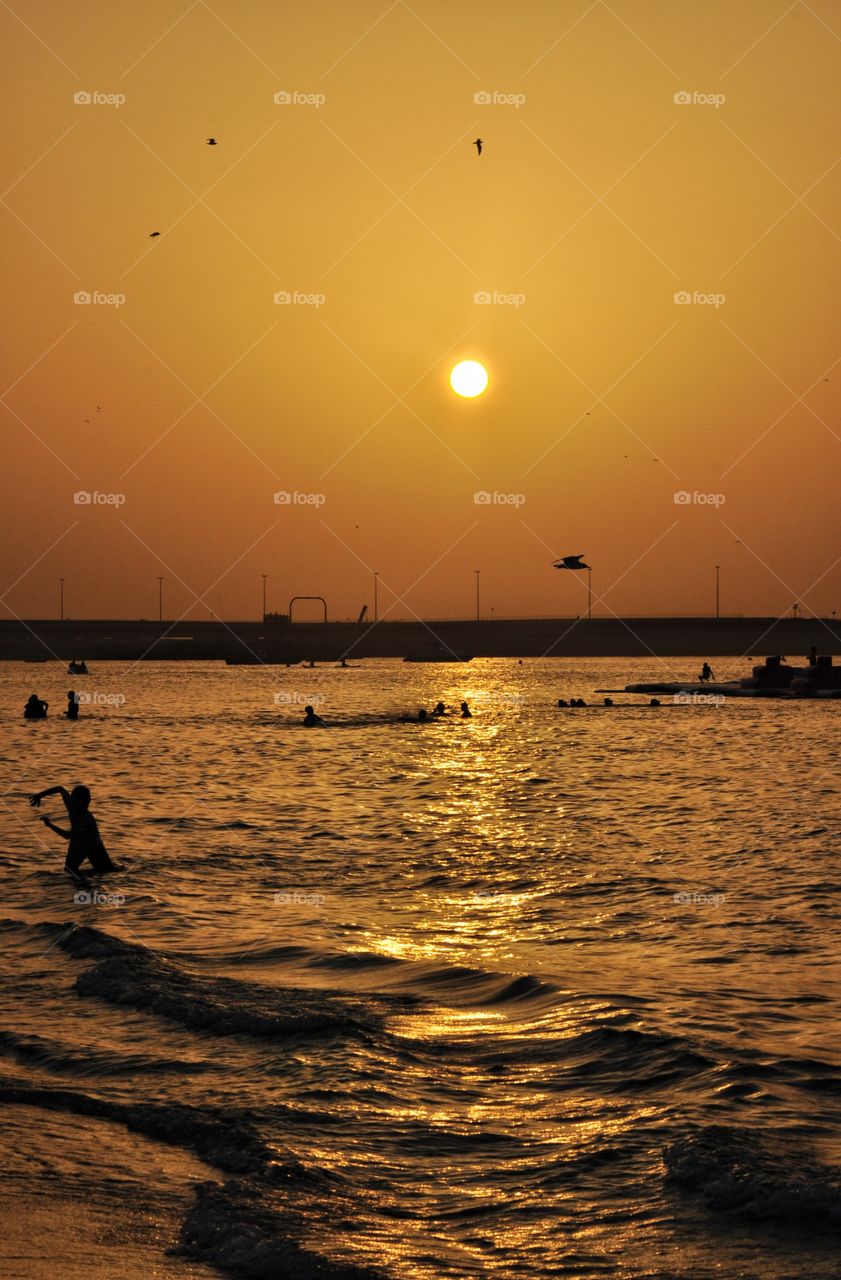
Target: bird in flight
[[211, 142], [152, 234], [478, 145], [570, 562]]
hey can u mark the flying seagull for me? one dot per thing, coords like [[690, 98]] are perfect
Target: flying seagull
[[570, 562], [152, 234], [211, 142], [478, 145]]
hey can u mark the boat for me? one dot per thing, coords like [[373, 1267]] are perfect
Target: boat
[[771, 679], [78, 667]]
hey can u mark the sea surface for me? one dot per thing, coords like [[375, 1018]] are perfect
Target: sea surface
[[547, 992]]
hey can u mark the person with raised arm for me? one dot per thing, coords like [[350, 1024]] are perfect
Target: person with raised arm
[[84, 840]]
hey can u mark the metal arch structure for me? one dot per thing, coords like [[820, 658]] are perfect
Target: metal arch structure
[[320, 598]]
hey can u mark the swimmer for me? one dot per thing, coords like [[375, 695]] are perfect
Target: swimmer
[[83, 836], [466, 713], [72, 711], [36, 708], [310, 718]]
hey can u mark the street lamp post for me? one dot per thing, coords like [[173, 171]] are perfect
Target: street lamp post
[[61, 598], [717, 585], [160, 599], [589, 593], [477, 572], [376, 580], [264, 576]]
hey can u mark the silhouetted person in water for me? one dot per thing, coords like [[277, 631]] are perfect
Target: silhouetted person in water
[[36, 708], [72, 711], [84, 837], [466, 713], [562, 702], [608, 702], [439, 709], [423, 716], [310, 718], [706, 673]]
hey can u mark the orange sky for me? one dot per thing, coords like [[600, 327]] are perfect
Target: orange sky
[[597, 198]]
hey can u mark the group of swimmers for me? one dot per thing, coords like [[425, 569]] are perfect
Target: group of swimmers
[[312, 719], [608, 702], [440, 710], [36, 708]]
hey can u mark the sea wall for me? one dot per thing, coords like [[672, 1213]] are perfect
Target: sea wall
[[99, 640]]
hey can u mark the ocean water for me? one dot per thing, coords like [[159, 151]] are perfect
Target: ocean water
[[543, 993]]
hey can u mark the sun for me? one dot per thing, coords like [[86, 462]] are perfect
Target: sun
[[468, 378]]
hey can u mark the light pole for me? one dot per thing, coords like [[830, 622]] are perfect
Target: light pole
[[717, 585], [477, 572], [795, 607], [264, 576], [61, 598], [589, 593], [160, 599], [376, 579]]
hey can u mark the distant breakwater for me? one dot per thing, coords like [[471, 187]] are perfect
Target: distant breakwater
[[282, 641]]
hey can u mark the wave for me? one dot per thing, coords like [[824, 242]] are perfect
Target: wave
[[199, 824], [130, 974], [233, 1227], [59, 1058], [594, 1042], [763, 1177]]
